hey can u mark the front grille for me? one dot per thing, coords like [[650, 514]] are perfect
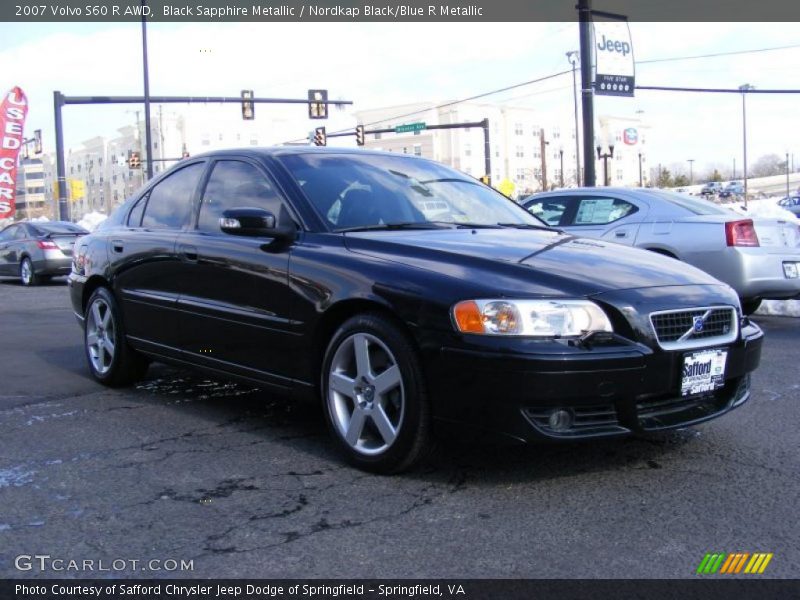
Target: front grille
[[599, 419], [695, 327]]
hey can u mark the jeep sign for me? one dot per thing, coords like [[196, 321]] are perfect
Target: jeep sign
[[613, 59]]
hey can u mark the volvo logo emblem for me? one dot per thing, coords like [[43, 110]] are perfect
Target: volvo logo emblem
[[697, 324]]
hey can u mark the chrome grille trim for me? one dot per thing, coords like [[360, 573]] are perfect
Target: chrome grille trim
[[674, 329]]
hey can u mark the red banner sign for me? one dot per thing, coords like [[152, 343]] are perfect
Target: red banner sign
[[13, 111]]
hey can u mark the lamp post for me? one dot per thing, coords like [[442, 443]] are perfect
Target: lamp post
[[691, 170], [641, 180], [573, 56], [605, 155], [744, 89], [561, 171]]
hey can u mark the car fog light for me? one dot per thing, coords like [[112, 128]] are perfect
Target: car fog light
[[560, 420]]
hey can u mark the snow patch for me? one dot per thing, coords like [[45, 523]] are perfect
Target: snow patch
[[766, 208], [90, 221]]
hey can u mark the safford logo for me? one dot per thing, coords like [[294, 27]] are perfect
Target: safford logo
[[698, 324], [630, 136]]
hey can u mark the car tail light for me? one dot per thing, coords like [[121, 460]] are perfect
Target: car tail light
[[741, 233], [47, 245]]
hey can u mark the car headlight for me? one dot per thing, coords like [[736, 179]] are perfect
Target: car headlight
[[533, 318]]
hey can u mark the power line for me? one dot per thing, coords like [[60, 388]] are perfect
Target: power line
[[715, 55], [662, 88], [454, 102], [560, 73]]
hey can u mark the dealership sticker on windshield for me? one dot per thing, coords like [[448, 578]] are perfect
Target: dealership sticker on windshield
[[703, 371]]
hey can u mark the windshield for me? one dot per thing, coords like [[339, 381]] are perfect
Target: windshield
[[694, 205], [351, 191]]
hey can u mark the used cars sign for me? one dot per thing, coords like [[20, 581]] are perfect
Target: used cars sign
[[13, 111], [615, 74]]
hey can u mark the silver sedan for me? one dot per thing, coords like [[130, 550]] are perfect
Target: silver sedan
[[37, 251], [759, 257]]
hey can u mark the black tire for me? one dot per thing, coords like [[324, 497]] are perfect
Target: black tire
[[27, 274], [119, 365], [750, 306], [403, 405]]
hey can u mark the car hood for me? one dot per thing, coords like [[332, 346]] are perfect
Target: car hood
[[548, 261]]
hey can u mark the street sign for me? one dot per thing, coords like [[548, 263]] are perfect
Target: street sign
[[410, 127]]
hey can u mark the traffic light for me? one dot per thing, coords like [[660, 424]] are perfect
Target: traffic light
[[360, 135], [318, 104], [37, 141], [320, 139], [134, 160], [248, 107]]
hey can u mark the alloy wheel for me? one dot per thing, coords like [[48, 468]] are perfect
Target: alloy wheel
[[366, 398], [26, 272], [101, 336]]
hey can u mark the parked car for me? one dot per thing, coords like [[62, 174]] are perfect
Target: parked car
[[791, 203], [316, 272], [758, 257], [711, 188], [37, 251], [734, 188]]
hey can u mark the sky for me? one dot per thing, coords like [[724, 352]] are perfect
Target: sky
[[385, 64]]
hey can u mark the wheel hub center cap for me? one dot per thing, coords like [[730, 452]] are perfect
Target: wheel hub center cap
[[369, 393], [366, 396]]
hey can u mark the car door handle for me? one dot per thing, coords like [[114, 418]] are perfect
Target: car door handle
[[188, 252], [621, 234], [117, 246]]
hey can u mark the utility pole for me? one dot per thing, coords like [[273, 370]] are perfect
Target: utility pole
[[573, 57], [148, 133], [543, 143], [587, 93], [691, 170]]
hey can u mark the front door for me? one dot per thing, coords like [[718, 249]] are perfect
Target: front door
[[234, 305]]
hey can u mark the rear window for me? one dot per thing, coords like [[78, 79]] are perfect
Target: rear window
[[693, 205], [60, 228]]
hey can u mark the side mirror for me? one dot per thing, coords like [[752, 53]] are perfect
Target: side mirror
[[254, 222]]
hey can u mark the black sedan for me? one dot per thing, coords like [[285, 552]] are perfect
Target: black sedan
[[37, 251], [404, 295]]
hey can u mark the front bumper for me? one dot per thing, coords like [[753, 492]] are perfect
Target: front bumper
[[610, 391]]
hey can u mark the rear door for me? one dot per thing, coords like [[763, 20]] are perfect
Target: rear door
[[16, 247], [144, 262], [5, 242], [604, 216]]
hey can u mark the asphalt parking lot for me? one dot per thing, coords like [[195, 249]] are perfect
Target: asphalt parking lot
[[244, 484]]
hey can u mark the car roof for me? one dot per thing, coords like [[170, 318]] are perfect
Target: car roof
[[265, 151]]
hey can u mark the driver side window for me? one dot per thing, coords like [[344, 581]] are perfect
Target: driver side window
[[237, 184]]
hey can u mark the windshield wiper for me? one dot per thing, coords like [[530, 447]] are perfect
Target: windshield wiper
[[530, 226], [467, 224], [391, 226]]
